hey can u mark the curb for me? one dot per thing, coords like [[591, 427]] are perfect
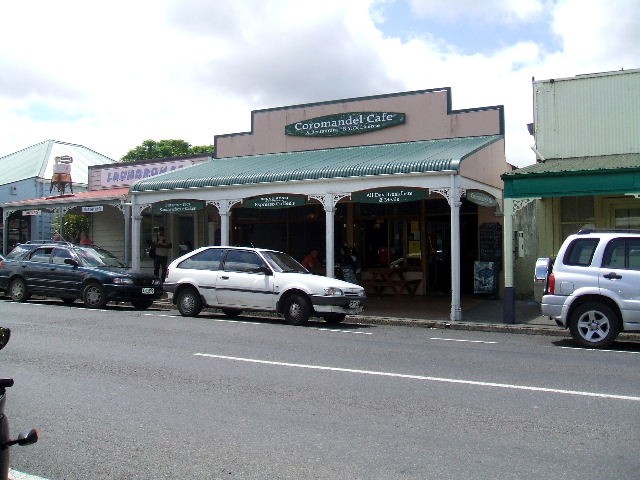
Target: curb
[[519, 328]]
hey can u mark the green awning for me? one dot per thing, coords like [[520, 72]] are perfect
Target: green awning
[[349, 162], [570, 177]]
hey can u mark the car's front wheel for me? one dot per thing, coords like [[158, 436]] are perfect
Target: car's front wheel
[[188, 302], [594, 324], [18, 290], [93, 296], [297, 310]]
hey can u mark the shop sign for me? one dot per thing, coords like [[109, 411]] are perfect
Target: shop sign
[[94, 209], [481, 198], [180, 206], [26, 213], [276, 201], [389, 196], [128, 174], [342, 124]]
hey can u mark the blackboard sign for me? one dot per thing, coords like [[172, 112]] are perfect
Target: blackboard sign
[[490, 242]]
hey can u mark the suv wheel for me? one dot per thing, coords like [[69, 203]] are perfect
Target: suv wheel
[[297, 310], [188, 302], [594, 324], [93, 296], [18, 290]]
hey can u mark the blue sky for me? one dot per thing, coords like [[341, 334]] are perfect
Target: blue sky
[[110, 75], [468, 33]]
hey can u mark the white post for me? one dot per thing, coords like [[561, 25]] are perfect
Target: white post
[[508, 311], [136, 221], [454, 203]]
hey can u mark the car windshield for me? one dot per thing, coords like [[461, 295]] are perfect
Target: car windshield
[[98, 257], [281, 262]]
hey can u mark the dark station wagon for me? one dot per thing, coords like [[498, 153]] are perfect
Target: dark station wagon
[[71, 272]]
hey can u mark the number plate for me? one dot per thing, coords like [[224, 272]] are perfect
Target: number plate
[[148, 291], [354, 304]]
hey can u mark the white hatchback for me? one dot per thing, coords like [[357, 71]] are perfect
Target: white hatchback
[[235, 279]]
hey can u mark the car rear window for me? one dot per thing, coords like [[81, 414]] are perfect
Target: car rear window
[[206, 260], [19, 251], [580, 252]]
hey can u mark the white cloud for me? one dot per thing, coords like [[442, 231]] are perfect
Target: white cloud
[[109, 76]]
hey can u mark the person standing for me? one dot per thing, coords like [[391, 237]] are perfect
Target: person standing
[[163, 248]]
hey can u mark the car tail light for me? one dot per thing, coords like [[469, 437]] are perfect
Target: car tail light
[[552, 284]]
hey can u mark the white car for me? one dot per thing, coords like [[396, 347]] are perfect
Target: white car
[[235, 279]]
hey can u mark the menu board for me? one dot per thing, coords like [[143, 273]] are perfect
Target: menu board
[[490, 242]]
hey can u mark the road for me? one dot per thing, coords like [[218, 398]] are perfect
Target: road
[[124, 394]]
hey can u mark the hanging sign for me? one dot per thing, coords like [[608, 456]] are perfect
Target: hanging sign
[[275, 201], [26, 213], [481, 198], [342, 124], [389, 196], [94, 209], [179, 206]]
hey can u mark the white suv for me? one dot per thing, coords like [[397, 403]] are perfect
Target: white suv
[[593, 286], [241, 278]]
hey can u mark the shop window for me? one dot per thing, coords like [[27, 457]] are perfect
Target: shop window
[[627, 218], [576, 213]]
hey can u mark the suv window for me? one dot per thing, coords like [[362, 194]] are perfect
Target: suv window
[[206, 260], [622, 253], [59, 255], [41, 255], [19, 251], [242, 261], [580, 252]]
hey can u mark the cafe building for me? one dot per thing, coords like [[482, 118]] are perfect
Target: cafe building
[[407, 185]]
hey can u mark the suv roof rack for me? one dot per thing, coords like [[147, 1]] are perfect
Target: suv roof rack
[[48, 242], [585, 231]]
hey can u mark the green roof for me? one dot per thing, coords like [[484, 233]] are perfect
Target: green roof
[[560, 177], [37, 161], [348, 162]]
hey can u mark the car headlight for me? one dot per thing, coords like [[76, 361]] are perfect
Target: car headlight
[[123, 281], [156, 281], [333, 292]]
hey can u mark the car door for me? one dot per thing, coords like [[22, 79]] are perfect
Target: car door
[[35, 270], [201, 269], [66, 279], [620, 273], [242, 283]]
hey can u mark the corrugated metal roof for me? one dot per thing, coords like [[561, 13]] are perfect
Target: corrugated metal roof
[[566, 177], [578, 164], [386, 159], [91, 196], [37, 161]]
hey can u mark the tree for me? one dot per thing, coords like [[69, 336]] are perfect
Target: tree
[[151, 149]]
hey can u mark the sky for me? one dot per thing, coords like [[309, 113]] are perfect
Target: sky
[[110, 75]]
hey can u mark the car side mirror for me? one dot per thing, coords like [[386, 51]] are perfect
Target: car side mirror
[[70, 261], [266, 270], [5, 333]]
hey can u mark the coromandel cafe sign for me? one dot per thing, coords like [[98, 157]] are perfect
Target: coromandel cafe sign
[[342, 124]]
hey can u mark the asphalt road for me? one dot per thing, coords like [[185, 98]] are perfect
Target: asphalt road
[[124, 394]]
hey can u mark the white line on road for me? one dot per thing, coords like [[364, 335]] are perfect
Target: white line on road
[[600, 350], [426, 378], [259, 323], [459, 340], [16, 475]]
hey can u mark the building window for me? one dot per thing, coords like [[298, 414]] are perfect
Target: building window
[[627, 218], [576, 213]]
